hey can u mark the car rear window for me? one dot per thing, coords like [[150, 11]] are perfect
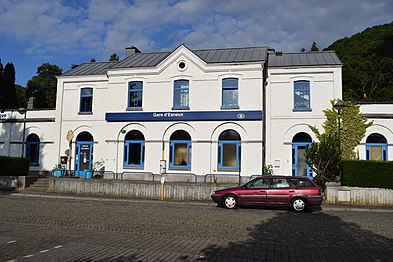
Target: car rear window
[[301, 182]]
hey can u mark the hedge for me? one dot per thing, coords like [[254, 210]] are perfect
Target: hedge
[[368, 173], [13, 166]]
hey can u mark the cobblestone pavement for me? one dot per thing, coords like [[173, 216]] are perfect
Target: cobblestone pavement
[[45, 229]]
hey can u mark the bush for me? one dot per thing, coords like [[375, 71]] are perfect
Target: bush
[[364, 173], [13, 166]]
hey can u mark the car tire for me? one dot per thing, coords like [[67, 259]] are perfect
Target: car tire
[[299, 205], [230, 202]]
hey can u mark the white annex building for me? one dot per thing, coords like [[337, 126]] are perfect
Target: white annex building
[[206, 112]]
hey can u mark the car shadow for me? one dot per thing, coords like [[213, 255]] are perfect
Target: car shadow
[[310, 236]]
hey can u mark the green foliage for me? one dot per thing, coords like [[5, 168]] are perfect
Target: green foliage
[[353, 127], [13, 166], [114, 57], [324, 158], [314, 47], [43, 86], [368, 63], [7, 87], [21, 96], [368, 173]]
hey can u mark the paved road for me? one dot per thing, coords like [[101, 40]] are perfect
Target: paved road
[[45, 229]]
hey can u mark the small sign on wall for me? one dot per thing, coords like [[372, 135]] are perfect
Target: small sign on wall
[[162, 166]]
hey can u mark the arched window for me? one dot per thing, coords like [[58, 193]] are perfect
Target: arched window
[[299, 166], [376, 147], [229, 150], [33, 149], [180, 150], [134, 149]]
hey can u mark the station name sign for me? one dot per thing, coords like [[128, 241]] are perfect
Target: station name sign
[[244, 115], [4, 116]]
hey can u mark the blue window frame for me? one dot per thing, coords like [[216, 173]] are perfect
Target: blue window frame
[[302, 95], [376, 147], [230, 88], [180, 150], [33, 149], [135, 90], [229, 150], [134, 149], [181, 94], [86, 100]]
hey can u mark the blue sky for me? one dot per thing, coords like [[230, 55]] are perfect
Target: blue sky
[[33, 32]]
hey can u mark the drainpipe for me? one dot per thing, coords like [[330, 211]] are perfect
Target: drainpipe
[[264, 83]]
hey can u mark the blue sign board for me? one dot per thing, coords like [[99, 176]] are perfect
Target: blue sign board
[[249, 115]]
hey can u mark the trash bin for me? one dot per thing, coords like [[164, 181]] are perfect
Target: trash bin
[[89, 174]]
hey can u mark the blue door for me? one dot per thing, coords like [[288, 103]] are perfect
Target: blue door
[[299, 165], [83, 157]]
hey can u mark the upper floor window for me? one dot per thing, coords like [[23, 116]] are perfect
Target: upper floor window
[[86, 100], [376, 147], [302, 95], [181, 94], [33, 149], [135, 94], [229, 150], [180, 150], [134, 149], [230, 88]]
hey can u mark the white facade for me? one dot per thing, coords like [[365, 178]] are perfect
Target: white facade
[[277, 138]]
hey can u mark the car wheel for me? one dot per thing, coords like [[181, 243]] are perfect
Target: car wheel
[[299, 205], [230, 202]]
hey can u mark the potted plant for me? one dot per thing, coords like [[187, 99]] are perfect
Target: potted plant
[[59, 170]]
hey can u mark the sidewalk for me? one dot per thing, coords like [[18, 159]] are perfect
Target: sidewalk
[[326, 207]]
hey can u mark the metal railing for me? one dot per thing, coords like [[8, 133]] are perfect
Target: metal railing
[[191, 174]]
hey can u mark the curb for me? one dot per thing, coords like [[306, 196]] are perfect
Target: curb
[[325, 207]]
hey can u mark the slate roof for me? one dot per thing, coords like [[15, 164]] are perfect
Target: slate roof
[[92, 68], [303, 59]]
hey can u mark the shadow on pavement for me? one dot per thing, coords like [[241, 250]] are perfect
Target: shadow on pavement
[[312, 236]]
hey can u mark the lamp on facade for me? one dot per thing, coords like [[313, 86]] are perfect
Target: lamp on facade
[[23, 111], [339, 106]]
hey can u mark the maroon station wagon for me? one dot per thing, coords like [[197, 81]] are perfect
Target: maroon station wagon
[[296, 192]]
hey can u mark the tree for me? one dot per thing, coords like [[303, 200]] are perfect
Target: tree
[[43, 86], [114, 57], [353, 127], [8, 82], [314, 47], [92, 60], [2, 90], [324, 158], [302, 50], [21, 96]]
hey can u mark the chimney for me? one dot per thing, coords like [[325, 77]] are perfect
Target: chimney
[[131, 50], [30, 103]]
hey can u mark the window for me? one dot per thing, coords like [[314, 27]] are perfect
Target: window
[[180, 150], [86, 104], [260, 183], [279, 183], [230, 93], [135, 94], [229, 150], [134, 149], [301, 182], [33, 149], [302, 95], [376, 147], [181, 94]]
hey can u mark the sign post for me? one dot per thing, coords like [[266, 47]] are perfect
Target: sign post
[[69, 137], [162, 171]]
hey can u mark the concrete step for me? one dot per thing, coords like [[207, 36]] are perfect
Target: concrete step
[[41, 185]]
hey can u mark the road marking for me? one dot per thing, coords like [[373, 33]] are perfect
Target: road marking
[[44, 251], [14, 260], [29, 256], [60, 246], [10, 242]]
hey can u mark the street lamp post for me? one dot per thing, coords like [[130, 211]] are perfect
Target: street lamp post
[[23, 111], [339, 106]]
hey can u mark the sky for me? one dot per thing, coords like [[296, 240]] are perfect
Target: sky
[[66, 32]]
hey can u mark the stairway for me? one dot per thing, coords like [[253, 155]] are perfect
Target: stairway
[[41, 185]]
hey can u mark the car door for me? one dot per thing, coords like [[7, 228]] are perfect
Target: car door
[[254, 192], [280, 191]]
